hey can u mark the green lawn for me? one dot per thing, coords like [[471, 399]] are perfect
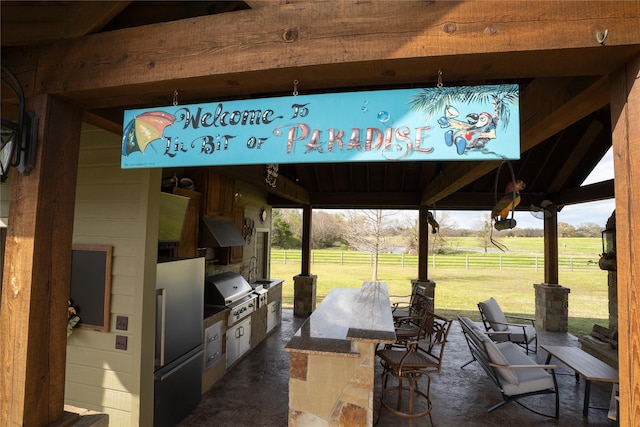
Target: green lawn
[[458, 291], [567, 246]]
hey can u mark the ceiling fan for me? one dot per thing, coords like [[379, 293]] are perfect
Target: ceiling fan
[[543, 209]]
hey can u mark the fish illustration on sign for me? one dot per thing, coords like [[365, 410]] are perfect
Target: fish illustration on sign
[[144, 129]]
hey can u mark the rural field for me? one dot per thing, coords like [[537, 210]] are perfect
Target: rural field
[[460, 286]]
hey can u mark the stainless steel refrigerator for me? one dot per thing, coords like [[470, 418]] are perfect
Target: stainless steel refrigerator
[[179, 348]]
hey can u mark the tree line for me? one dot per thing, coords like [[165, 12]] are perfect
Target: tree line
[[386, 231]]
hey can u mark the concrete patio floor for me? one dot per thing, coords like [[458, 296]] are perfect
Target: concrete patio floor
[[255, 392]]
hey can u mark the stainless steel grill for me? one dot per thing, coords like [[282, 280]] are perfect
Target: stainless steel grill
[[232, 291]]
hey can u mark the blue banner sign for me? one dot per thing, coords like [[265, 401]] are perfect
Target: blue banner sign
[[441, 123]]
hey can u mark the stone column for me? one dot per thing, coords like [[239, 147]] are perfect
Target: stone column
[[552, 307], [304, 295]]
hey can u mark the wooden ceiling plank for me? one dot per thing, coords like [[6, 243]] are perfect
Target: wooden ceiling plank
[[543, 159], [304, 176], [334, 176], [318, 173], [351, 177], [24, 24], [90, 17], [557, 106], [576, 156], [454, 177], [255, 175], [290, 38], [98, 121]]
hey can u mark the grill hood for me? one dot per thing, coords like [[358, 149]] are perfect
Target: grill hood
[[222, 233], [226, 288]]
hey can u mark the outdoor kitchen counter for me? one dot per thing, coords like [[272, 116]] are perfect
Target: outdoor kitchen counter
[[210, 310], [344, 316], [332, 356]]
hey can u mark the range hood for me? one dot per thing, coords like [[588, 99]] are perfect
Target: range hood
[[221, 233]]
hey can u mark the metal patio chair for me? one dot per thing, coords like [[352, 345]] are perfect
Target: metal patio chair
[[407, 362], [500, 330]]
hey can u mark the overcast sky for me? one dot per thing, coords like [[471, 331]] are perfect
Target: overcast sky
[[596, 212]]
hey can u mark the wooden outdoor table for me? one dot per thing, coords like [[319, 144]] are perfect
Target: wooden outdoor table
[[584, 365]]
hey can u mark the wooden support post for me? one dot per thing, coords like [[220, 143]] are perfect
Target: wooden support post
[[306, 240], [625, 110], [423, 244], [551, 248], [37, 272]]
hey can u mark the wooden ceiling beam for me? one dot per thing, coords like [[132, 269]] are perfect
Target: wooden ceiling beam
[[369, 200], [587, 193], [547, 106], [259, 4], [468, 201], [263, 51], [351, 200]]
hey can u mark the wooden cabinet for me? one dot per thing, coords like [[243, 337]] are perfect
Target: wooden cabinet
[[218, 202], [219, 195]]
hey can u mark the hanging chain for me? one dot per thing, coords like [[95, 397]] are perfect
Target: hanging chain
[[295, 87], [439, 78], [175, 98]]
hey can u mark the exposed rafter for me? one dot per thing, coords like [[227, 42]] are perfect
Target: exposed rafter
[[56, 20]]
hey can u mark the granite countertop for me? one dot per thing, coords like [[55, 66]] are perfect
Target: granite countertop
[[266, 283], [210, 310], [344, 316]]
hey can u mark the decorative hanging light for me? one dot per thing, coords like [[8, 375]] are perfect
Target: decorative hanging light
[[18, 138]]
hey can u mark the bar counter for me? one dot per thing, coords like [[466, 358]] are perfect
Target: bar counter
[[331, 375]]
